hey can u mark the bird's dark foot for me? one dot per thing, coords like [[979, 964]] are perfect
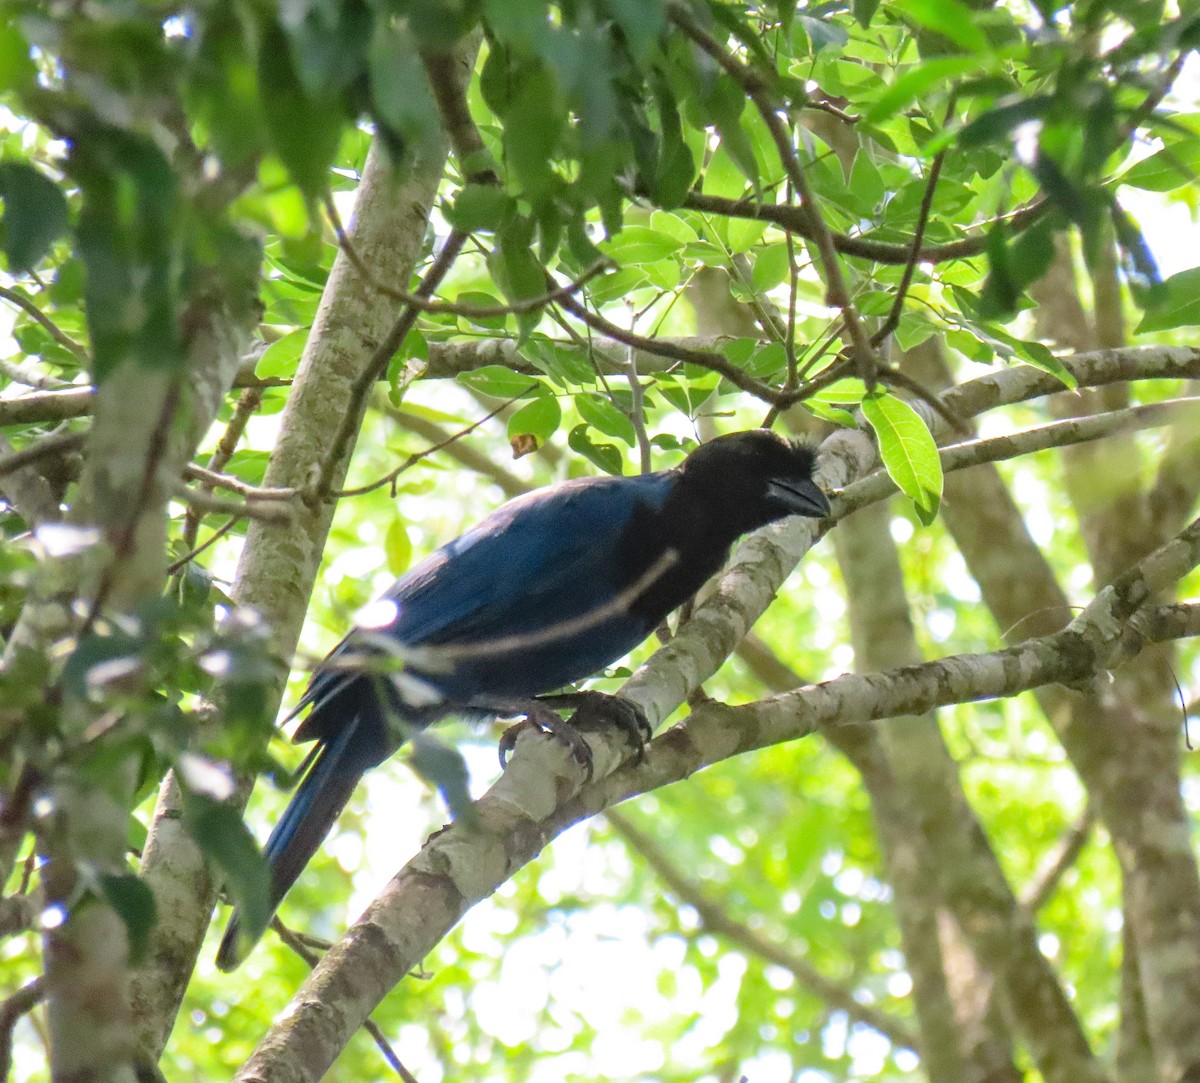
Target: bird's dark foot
[[544, 719], [598, 711]]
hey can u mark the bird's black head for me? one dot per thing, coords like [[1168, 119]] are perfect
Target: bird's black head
[[756, 477]]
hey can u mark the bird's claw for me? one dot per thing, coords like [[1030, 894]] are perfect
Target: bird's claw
[[546, 721], [594, 712], [598, 711]]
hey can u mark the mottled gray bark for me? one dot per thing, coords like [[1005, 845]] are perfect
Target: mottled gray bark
[[147, 425], [989, 943], [279, 562]]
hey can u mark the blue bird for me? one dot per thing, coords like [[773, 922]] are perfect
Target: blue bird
[[547, 590]]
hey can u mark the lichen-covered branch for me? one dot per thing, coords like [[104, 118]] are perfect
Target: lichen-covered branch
[[279, 563]]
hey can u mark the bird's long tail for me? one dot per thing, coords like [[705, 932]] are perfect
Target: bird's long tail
[[329, 780]]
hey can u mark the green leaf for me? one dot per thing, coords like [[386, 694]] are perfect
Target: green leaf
[[17, 70], [498, 381], [770, 267], [744, 233], [676, 166], [949, 18], [848, 391], [479, 207], [1037, 354], [908, 452], [612, 287], [1180, 306], [35, 214], [403, 102], [397, 546], [1167, 169], [605, 456], [129, 237], [599, 412], [722, 177], [483, 300], [134, 904], [282, 356], [864, 11], [997, 123], [914, 82], [305, 133], [641, 24], [1040, 356], [640, 244], [217, 829], [532, 124], [539, 418]]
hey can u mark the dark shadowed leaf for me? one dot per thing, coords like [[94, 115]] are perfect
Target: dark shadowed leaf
[[436, 762], [304, 132], [605, 456], [35, 214], [223, 838], [134, 903]]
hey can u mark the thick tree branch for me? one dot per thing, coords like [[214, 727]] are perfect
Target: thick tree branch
[[463, 864], [798, 221]]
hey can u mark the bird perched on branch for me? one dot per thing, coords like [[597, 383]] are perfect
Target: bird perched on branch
[[547, 590]]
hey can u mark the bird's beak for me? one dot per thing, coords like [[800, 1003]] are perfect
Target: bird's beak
[[800, 498]]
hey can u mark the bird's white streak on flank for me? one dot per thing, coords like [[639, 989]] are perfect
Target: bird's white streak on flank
[[377, 614], [431, 659]]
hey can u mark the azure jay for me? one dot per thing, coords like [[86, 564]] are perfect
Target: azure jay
[[547, 590]]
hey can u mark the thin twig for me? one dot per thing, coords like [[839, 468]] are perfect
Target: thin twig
[[247, 404], [704, 358], [23, 1001], [19, 375], [637, 411], [904, 380], [473, 460], [46, 447], [57, 333], [217, 535], [716, 919], [797, 220], [893, 316], [271, 510], [1076, 430], [1060, 859], [416, 457], [378, 363], [215, 480]]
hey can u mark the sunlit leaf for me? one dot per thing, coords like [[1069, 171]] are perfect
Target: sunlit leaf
[[908, 452]]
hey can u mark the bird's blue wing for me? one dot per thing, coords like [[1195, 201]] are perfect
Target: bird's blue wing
[[550, 557], [546, 557]]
